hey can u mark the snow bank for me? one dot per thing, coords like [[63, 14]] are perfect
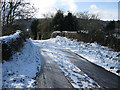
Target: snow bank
[[95, 53], [21, 69], [56, 32], [7, 39]]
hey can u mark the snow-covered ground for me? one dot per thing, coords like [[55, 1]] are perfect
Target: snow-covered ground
[[21, 69], [95, 53], [76, 77]]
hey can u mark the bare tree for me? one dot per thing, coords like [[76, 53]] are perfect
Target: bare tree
[[49, 15], [16, 10], [26, 11], [89, 21]]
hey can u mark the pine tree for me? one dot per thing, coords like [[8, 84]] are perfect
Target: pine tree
[[110, 26], [58, 20], [70, 22]]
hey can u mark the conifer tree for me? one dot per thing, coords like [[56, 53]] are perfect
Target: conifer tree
[[110, 26], [70, 22], [58, 20]]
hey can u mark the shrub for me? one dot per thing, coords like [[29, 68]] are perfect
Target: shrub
[[100, 37], [12, 45]]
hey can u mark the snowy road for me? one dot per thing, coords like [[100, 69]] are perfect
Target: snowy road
[[100, 76], [50, 75], [57, 64]]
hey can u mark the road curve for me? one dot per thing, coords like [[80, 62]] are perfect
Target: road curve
[[54, 77], [104, 78]]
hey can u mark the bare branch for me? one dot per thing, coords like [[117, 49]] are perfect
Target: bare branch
[[14, 10]]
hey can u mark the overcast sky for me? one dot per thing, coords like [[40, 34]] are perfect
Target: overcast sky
[[107, 9]]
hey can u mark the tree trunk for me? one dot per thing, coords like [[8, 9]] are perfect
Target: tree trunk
[[35, 36]]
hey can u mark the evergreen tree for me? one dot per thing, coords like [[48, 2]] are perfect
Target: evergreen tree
[[58, 20], [70, 22], [110, 26], [34, 28]]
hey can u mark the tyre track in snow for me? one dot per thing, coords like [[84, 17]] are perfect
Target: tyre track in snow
[[66, 75], [104, 78], [50, 75]]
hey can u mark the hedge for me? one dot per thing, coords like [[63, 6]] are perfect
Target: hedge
[[12, 44]]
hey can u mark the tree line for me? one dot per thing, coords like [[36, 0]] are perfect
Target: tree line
[[62, 22], [80, 22], [42, 29]]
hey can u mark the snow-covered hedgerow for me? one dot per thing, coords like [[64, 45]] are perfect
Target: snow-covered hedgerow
[[11, 44]]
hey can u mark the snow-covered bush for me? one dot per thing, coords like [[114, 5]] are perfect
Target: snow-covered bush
[[11, 44]]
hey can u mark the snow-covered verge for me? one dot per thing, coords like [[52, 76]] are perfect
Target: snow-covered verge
[[76, 77], [20, 71], [95, 53]]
